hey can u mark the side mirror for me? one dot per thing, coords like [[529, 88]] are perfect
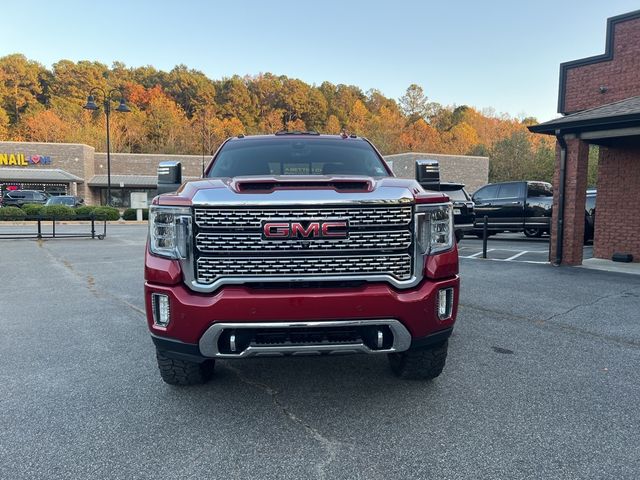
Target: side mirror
[[169, 177], [428, 174]]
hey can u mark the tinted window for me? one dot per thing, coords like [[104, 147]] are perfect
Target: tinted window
[[490, 191], [510, 190], [17, 195], [297, 156], [539, 189], [61, 201]]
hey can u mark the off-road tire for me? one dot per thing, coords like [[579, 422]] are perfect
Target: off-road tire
[[423, 363], [182, 372], [532, 232]]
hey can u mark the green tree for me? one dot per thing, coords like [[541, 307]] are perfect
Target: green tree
[[414, 103], [190, 88], [20, 86]]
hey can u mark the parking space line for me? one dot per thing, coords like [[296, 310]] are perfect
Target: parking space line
[[479, 253], [515, 256]]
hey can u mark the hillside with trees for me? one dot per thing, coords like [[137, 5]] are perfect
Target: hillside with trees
[[182, 110]]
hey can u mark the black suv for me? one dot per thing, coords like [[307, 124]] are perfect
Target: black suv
[[17, 198], [463, 211]]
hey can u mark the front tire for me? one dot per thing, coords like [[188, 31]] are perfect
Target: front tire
[[183, 372], [532, 232], [422, 363]]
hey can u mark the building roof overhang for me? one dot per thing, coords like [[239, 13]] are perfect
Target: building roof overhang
[[618, 119], [37, 175]]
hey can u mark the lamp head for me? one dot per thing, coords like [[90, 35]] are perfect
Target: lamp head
[[123, 107], [91, 103]]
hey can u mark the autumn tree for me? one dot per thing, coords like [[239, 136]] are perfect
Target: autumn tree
[[357, 118], [385, 130], [236, 100], [4, 124], [332, 126], [420, 137], [45, 126], [180, 110]]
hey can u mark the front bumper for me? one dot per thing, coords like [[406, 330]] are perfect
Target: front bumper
[[193, 314]]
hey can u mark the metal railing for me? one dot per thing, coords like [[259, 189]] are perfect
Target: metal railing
[[39, 232]]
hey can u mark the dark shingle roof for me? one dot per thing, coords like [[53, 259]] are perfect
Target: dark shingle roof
[[612, 115]]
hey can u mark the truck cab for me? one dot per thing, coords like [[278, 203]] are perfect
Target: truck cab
[[523, 206]]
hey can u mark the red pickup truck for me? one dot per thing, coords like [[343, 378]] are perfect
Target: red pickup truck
[[299, 244]]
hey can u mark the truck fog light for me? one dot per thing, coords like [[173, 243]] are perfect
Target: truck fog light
[[445, 303], [160, 307]]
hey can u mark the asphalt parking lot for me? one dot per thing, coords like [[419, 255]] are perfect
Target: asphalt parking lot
[[512, 247], [542, 381]]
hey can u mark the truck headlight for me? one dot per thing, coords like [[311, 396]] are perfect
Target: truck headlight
[[169, 231], [434, 228]]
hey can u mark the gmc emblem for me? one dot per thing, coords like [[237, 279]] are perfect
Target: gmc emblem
[[308, 230]]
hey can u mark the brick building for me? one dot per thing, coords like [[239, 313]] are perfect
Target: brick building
[[74, 169], [600, 100]]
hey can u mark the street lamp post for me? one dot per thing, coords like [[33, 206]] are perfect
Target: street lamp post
[[122, 107]]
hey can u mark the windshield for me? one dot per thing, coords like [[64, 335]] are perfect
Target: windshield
[[297, 156], [456, 195]]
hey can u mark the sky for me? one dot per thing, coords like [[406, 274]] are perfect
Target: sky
[[503, 55]]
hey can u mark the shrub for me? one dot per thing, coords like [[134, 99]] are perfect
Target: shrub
[[130, 214], [106, 213], [32, 209], [84, 212], [59, 212], [12, 213]]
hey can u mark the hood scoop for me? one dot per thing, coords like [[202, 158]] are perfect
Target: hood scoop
[[322, 183]]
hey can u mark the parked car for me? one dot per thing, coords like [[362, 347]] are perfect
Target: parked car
[[515, 207], [17, 198], [68, 200], [590, 215], [463, 208]]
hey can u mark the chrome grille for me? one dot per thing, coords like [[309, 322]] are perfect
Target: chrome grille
[[253, 242], [251, 217], [211, 268], [229, 245]]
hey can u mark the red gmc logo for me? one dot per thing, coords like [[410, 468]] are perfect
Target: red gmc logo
[[304, 230]]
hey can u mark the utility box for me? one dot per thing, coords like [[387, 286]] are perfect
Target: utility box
[[139, 200]]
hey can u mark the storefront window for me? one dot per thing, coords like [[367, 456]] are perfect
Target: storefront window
[[121, 197]]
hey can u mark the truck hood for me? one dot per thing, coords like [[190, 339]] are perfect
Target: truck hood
[[299, 190]]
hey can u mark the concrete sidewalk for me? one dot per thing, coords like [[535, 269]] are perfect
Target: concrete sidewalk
[[611, 266]]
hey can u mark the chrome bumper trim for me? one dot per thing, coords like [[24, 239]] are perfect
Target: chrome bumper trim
[[208, 343]]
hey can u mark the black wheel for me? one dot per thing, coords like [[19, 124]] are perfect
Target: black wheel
[[424, 363], [182, 372], [532, 232]]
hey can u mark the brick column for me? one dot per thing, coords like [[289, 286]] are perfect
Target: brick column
[[574, 204]]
